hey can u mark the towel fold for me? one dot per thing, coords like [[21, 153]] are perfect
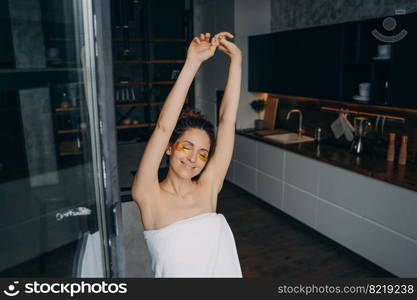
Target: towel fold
[[200, 246]]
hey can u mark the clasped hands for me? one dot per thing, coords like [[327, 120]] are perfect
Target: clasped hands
[[203, 47]]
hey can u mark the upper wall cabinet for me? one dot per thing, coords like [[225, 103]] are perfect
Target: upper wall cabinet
[[329, 62], [261, 70], [404, 67], [300, 62]]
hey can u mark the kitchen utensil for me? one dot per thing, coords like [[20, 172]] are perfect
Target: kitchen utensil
[[376, 126], [318, 135], [383, 125], [348, 129], [132, 94], [359, 143], [364, 89], [402, 160], [391, 147], [337, 127], [384, 51]]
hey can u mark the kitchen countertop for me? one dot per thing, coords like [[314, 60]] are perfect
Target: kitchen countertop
[[375, 167]]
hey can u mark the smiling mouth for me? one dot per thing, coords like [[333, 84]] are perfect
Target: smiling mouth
[[188, 166]]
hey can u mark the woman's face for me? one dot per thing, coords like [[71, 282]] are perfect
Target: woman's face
[[189, 154]]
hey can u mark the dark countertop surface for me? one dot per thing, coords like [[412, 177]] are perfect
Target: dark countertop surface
[[365, 164]]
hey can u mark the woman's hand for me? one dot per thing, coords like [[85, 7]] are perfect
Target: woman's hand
[[201, 48], [220, 40]]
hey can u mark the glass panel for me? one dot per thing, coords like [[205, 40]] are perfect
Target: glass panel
[[47, 190]]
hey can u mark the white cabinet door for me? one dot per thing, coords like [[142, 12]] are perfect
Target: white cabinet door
[[301, 172], [384, 203], [393, 207], [300, 205], [245, 177], [270, 160], [344, 188], [390, 250], [342, 226], [269, 189], [245, 151]]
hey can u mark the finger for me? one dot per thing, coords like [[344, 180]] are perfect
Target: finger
[[225, 42], [197, 40], [201, 36], [218, 35], [222, 48], [207, 36], [215, 41], [226, 34]]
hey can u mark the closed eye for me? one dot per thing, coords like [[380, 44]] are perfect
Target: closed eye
[[203, 157]]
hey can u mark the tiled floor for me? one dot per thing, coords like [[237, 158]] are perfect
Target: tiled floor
[[275, 245]]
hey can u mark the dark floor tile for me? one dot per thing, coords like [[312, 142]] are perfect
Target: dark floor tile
[[272, 244]]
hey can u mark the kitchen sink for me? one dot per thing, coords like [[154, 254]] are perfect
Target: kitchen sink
[[289, 138]]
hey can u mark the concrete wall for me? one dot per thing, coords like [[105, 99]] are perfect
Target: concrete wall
[[251, 18], [292, 14], [212, 16], [242, 18]]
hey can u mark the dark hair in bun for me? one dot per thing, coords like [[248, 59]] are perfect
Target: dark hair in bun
[[192, 118]]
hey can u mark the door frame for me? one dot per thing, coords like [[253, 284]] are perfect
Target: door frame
[[111, 214]]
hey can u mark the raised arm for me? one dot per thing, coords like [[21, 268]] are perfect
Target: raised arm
[[146, 183], [219, 163]]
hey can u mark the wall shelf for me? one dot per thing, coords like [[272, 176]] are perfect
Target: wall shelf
[[133, 40], [140, 125], [69, 131], [154, 61], [149, 48], [139, 83], [69, 153], [69, 109], [141, 40], [139, 104]]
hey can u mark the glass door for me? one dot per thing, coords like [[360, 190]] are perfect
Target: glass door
[[52, 220]]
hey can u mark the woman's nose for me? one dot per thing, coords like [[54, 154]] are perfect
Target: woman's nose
[[193, 156]]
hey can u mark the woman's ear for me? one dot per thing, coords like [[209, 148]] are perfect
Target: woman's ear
[[168, 151]]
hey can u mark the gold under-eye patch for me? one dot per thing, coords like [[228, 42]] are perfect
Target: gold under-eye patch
[[202, 157], [180, 147]]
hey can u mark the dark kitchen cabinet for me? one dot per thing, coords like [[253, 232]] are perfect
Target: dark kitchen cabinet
[[6, 42], [329, 62], [404, 67], [300, 62], [261, 71]]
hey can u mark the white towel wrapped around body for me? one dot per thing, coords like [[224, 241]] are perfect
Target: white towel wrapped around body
[[200, 246]]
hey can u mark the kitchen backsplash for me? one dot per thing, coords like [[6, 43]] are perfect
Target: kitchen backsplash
[[314, 116]]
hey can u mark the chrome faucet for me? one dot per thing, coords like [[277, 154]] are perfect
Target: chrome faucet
[[300, 119]]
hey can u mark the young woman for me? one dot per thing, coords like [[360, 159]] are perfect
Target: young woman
[[184, 234]]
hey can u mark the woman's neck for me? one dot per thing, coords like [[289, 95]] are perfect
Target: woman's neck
[[177, 185]]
